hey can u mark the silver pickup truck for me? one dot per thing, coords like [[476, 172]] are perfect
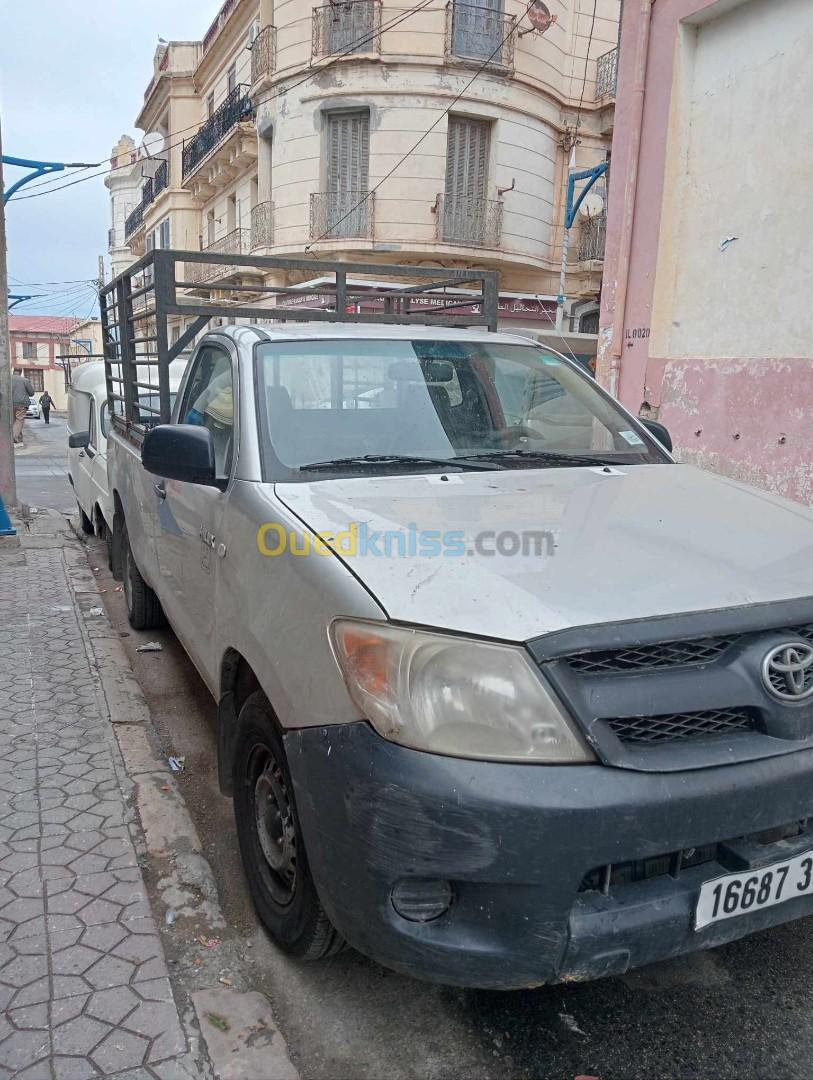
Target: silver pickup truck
[[505, 695]]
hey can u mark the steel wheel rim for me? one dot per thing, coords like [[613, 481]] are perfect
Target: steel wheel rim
[[273, 824]]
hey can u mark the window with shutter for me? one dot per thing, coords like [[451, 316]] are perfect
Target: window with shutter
[[348, 174], [465, 204], [477, 29]]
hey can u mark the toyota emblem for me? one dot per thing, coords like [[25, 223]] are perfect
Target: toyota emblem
[[787, 671]]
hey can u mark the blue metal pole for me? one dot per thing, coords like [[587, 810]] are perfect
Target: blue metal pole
[[39, 168]]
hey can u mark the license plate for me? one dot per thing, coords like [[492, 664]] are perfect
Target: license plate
[[737, 894]]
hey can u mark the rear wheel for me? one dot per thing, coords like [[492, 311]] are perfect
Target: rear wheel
[[85, 522], [271, 843], [143, 607]]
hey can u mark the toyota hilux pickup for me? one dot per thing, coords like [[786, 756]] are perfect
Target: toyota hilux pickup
[[506, 696]]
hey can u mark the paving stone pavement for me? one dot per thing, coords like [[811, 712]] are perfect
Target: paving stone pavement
[[84, 985]]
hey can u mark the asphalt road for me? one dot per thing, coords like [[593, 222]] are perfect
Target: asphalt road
[[742, 1011], [42, 470]]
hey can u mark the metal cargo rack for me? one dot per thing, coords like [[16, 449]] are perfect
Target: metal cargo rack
[[135, 308]]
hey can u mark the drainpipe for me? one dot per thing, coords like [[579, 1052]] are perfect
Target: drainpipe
[[630, 182]]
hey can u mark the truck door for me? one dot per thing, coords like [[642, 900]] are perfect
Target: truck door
[[190, 516]]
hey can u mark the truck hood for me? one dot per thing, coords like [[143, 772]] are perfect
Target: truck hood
[[600, 545]]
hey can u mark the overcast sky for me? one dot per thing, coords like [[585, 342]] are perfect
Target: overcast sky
[[72, 79]]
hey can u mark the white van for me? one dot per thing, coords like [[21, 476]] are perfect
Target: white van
[[87, 448], [88, 421]]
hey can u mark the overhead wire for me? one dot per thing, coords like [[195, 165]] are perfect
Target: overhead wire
[[277, 92], [428, 132]]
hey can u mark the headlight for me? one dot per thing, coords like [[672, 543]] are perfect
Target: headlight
[[454, 696]]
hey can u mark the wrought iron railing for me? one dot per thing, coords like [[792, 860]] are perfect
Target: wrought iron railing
[[236, 242], [339, 215], [235, 108], [606, 74], [351, 26], [262, 225], [134, 221], [592, 238], [263, 53], [480, 33], [161, 179], [150, 190], [469, 220]]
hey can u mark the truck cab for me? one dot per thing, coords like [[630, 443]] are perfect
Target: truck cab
[[506, 696]]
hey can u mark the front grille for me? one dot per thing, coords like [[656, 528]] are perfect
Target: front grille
[[673, 726], [602, 878], [667, 654]]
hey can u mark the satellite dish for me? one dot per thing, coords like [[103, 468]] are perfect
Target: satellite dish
[[153, 143], [540, 16], [591, 206]]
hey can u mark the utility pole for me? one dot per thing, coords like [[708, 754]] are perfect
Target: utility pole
[[8, 487]]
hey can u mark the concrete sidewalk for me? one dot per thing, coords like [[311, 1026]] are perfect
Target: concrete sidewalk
[[85, 988]]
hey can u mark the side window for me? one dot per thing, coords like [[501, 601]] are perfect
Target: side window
[[209, 402], [93, 441]]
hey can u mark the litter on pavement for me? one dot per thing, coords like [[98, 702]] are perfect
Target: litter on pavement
[[150, 646]]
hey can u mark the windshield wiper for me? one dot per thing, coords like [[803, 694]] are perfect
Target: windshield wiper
[[551, 456], [401, 459]]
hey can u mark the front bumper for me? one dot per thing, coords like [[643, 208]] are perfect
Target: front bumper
[[516, 842]]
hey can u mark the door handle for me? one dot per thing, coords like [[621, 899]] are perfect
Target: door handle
[[160, 490]]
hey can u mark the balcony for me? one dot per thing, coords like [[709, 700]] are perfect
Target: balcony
[[160, 180], [236, 108], [593, 236], [342, 215], [263, 54], [469, 221], [150, 190], [354, 26], [606, 74], [262, 226], [236, 242], [134, 221], [480, 34]]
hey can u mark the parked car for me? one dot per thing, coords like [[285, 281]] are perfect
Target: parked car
[[33, 412], [88, 426], [478, 762]]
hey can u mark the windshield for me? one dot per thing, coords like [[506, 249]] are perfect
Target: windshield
[[350, 404]]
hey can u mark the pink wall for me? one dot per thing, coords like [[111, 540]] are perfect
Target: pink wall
[[748, 418]]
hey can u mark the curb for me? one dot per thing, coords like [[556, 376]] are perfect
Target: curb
[[237, 1026]]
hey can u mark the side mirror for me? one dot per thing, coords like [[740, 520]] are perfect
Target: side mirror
[[180, 452], [80, 440], [660, 432]]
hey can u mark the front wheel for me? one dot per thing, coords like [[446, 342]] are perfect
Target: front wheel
[[271, 843], [143, 607]]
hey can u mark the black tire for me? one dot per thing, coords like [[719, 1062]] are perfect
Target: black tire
[[143, 607], [85, 522], [281, 886], [108, 537]]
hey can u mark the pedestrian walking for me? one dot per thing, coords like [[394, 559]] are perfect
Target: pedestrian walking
[[46, 401], [21, 393]]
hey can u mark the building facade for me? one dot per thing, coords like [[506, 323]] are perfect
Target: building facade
[[708, 257], [45, 347], [431, 133]]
